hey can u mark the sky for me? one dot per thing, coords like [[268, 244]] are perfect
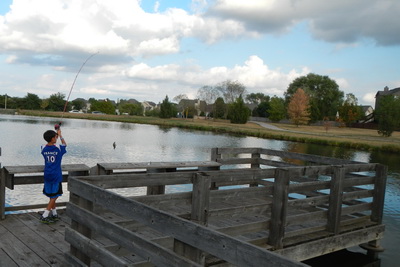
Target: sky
[[147, 50]]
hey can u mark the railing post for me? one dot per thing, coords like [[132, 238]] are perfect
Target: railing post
[[255, 165], [2, 194], [335, 200], [279, 208], [156, 189], [199, 214], [379, 193], [86, 231]]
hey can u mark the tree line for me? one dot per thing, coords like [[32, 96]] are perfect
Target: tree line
[[308, 99]]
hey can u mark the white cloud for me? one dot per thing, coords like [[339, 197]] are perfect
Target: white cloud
[[369, 98]]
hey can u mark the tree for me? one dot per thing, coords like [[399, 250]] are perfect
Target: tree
[[31, 101], [79, 104], [388, 115], [257, 98], [262, 110], [167, 110], [350, 111], [325, 98], [56, 102], [131, 109], [208, 94], [104, 106], [277, 109], [179, 97], [231, 90], [219, 108], [298, 108], [238, 112]]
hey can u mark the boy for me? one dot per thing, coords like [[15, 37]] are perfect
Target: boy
[[52, 188]]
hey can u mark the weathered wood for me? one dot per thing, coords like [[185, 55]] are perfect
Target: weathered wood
[[201, 198], [220, 245], [93, 250], [2, 194], [331, 244], [279, 208], [379, 193], [335, 200], [131, 241]]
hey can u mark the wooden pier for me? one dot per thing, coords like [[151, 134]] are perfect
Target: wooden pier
[[245, 207]]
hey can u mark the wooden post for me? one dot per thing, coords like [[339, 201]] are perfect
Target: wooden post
[[201, 198], [335, 200], [199, 214], [86, 231], [214, 154], [156, 189], [279, 208], [379, 193], [255, 157], [2, 194]]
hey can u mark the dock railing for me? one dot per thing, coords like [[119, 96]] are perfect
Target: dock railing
[[235, 215], [10, 176]]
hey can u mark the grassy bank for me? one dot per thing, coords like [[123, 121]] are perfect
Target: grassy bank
[[361, 139]]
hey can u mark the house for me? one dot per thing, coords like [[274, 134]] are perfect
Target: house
[[368, 114], [385, 92], [198, 105], [148, 106]]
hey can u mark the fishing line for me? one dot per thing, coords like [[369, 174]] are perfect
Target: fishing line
[[57, 126]]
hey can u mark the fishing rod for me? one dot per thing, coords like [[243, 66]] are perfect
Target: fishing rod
[[57, 126]]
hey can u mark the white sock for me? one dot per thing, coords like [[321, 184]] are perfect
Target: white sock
[[46, 213], [54, 212]]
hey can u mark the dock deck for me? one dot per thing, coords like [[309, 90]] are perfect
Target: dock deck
[[273, 208], [27, 242]]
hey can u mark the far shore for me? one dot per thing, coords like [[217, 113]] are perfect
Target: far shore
[[355, 138]]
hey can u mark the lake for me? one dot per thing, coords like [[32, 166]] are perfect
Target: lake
[[90, 142]]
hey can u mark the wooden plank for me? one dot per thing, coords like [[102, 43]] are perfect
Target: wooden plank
[[2, 194], [379, 193], [5, 259], [200, 198], [330, 244], [18, 251], [129, 240], [40, 246], [218, 244], [279, 208], [335, 200], [92, 249]]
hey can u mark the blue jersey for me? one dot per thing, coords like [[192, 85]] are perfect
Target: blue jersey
[[52, 163]]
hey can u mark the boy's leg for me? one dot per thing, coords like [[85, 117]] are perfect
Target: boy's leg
[[52, 203]]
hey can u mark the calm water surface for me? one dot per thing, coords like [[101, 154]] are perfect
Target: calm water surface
[[90, 142]]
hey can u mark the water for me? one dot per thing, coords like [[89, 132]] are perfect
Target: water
[[91, 142]]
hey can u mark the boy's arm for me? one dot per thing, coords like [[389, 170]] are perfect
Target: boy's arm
[[61, 137]]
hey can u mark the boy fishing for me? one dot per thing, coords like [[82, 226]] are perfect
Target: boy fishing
[[52, 188]]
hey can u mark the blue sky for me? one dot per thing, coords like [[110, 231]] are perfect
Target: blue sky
[[149, 49]]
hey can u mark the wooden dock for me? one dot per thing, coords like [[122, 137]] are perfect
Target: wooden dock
[[246, 207]]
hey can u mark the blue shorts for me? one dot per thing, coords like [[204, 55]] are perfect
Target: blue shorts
[[52, 190]]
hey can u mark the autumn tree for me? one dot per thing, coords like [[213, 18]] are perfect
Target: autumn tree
[[298, 108], [325, 98]]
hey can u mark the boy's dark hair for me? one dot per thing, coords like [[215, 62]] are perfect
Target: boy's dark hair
[[48, 135]]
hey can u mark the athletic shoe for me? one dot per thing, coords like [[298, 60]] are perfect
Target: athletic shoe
[[46, 220], [55, 218]]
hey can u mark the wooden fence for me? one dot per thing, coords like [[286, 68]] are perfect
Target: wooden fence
[[269, 204], [24, 175]]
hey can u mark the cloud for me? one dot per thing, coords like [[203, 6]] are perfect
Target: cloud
[[254, 74], [331, 21]]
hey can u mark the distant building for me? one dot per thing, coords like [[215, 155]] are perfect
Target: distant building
[[385, 92], [196, 104]]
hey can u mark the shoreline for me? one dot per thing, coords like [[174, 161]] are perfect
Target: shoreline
[[353, 138]]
